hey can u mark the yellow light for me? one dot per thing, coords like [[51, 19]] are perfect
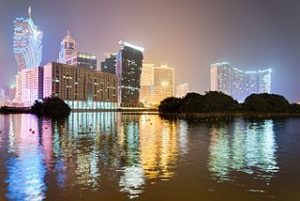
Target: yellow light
[[165, 84]]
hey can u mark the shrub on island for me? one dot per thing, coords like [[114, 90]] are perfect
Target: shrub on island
[[218, 102], [266, 103], [52, 107]]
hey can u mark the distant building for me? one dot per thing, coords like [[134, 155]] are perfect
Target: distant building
[[238, 83], [157, 83], [80, 87], [129, 61], [109, 65], [164, 80], [69, 54], [31, 82], [2, 97], [11, 93], [27, 44], [182, 90]]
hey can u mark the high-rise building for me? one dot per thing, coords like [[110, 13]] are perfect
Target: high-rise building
[[68, 49], [129, 61], [27, 44], [182, 90], [109, 65], [163, 83], [238, 83], [79, 87], [69, 54], [31, 81], [147, 80], [157, 83]]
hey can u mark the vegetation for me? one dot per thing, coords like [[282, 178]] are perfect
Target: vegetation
[[52, 107], [218, 102], [266, 103], [195, 103]]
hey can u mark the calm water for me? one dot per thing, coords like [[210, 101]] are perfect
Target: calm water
[[114, 156]]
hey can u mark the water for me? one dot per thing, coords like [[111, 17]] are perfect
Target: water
[[115, 156]]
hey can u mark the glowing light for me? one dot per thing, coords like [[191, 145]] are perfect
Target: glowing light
[[123, 44], [27, 43]]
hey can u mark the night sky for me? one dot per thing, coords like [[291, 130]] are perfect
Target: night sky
[[188, 35]]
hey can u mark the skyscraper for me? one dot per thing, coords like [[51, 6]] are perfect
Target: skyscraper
[[237, 83], [27, 44], [69, 54], [157, 83], [129, 61], [163, 83]]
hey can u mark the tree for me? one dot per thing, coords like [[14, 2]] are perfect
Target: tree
[[52, 107], [270, 103], [192, 103], [218, 102], [170, 105]]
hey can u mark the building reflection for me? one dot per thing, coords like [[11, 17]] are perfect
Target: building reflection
[[25, 167], [90, 150], [245, 147]]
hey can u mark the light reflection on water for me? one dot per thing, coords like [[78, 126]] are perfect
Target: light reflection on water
[[248, 147], [115, 155]]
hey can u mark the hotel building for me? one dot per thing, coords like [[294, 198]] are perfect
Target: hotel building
[[238, 83], [27, 44], [157, 83], [129, 61], [69, 54], [79, 87]]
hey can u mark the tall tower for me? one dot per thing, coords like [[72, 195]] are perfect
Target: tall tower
[[129, 61], [27, 45], [68, 49]]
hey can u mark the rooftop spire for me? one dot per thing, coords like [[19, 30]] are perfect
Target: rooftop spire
[[68, 32], [29, 11]]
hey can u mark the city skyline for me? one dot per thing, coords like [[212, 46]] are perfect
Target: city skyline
[[252, 55]]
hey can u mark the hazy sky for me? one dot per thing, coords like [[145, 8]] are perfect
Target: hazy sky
[[188, 35]]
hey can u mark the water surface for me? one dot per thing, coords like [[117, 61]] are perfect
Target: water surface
[[115, 156]]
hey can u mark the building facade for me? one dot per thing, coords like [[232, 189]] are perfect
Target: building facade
[[31, 85], [129, 61], [27, 43], [157, 83], [69, 54], [163, 83], [182, 90], [109, 65], [238, 83], [79, 87]]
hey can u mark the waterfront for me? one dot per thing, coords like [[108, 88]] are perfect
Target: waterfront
[[117, 156]]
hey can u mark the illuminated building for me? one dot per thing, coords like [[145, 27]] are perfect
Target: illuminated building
[[163, 83], [11, 93], [147, 79], [157, 83], [31, 82], [69, 54], [182, 90], [27, 44], [109, 65], [237, 83], [2, 96], [79, 87], [129, 61]]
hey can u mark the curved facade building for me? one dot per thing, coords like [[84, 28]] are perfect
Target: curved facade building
[[27, 42]]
